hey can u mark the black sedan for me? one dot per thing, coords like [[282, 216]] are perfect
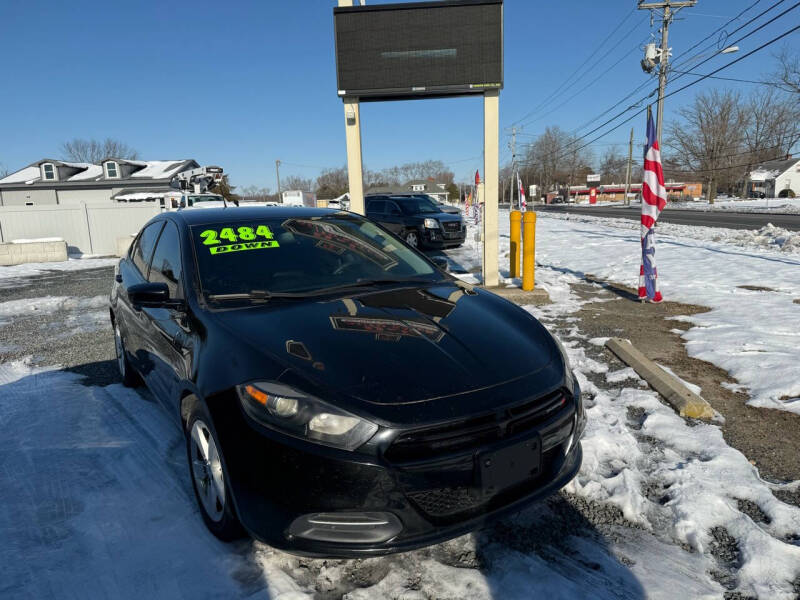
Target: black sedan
[[339, 394], [418, 220]]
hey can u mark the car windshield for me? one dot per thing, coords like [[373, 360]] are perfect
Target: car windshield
[[206, 198], [415, 205], [301, 255]]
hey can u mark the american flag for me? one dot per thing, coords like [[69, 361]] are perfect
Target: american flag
[[522, 203], [654, 199]]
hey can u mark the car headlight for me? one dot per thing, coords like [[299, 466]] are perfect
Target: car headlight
[[431, 224], [569, 377], [294, 413]]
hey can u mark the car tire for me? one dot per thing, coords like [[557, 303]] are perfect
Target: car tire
[[209, 480], [129, 377], [411, 237]]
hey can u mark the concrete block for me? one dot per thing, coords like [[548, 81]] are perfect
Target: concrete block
[[521, 297], [16, 254], [681, 398]]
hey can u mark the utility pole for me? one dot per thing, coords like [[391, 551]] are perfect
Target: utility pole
[[667, 7], [628, 170], [513, 167], [278, 175]]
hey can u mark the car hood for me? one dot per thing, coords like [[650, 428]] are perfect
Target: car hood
[[398, 346]]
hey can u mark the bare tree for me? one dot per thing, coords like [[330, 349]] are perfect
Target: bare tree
[[772, 129], [707, 136], [295, 182], [555, 158], [92, 151], [3, 170], [613, 166], [332, 183], [253, 193], [788, 72]]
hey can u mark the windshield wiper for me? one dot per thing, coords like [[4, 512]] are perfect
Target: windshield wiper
[[251, 295], [265, 295], [359, 284]]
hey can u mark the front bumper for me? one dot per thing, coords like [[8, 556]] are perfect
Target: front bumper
[[443, 238], [277, 482]]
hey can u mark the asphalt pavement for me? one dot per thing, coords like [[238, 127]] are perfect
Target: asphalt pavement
[[678, 216]]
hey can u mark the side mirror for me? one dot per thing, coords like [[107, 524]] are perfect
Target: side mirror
[[152, 295], [440, 261]]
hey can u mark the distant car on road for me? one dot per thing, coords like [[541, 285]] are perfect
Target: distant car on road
[[417, 219], [338, 393]]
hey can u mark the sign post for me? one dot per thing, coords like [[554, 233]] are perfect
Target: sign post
[[384, 52]]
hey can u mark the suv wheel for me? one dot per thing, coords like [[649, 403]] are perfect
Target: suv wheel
[[412, 239]]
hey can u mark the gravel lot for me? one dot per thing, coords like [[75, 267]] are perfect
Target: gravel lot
[[77, 337]]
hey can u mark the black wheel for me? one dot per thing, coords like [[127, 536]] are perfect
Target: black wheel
[[129, 377], [209, 480], [412, 238]]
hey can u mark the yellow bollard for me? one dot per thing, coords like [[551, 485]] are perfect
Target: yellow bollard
[[516, 222], [528, 250]]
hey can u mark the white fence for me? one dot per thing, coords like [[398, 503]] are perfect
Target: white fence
[[88, 228]]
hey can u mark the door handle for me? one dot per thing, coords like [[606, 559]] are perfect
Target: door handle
[[118, 278]]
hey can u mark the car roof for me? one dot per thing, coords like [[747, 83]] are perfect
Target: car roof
[[228, 214]]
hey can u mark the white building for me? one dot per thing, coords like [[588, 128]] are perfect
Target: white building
[[775, 179], [50, 181]]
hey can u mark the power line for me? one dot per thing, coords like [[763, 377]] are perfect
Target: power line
[[769, 83], [589, 122], [555, 92], [722, 27], [701, 78], [747, 35], [589, 84]]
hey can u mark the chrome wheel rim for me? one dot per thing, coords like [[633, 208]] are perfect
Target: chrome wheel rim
[[207, 471], [411, 239], [120, 349]]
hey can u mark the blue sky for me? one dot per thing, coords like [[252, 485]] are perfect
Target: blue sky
[[241, 84]]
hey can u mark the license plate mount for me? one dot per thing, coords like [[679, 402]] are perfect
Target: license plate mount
[[508, 466]]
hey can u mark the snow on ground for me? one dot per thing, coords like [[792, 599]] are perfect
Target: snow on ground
[[751, 328], [734, 205], [98, 503], [776, 205], [8, 275], [677, 479]]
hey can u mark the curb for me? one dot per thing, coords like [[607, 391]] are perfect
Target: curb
[[682, 399]]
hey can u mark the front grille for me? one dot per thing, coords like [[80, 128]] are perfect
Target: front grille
[[451, 504], [470, 434], [445, 502]]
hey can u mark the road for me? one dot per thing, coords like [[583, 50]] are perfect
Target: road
[[686, 217]]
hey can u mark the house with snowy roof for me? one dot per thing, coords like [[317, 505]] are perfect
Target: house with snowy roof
[[775, 179], [50, 181]]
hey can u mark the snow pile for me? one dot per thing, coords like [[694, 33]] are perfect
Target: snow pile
[[768, 237], [37, 240], [776, 205]]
